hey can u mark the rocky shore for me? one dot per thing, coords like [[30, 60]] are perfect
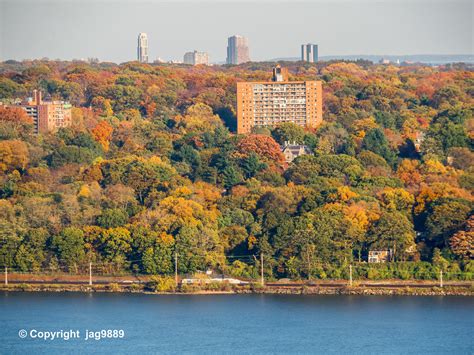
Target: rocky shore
[[405, 291], [251, 289]]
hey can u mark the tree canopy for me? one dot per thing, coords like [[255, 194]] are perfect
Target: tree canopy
[[151, 166]]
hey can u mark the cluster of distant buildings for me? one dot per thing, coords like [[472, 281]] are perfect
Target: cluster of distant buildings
[[259, 104], [266, 103], [387, 61], [237, 52]]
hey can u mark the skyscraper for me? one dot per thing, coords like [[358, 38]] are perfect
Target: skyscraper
[[196, 58], [270, 103], [142, 48], [309, 53], [237, 50]]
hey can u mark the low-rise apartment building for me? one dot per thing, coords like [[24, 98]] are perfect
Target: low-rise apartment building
[[47, 115]]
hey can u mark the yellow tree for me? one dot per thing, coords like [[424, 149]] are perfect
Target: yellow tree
[[198, 118], [102, 133], [409, 172], [13, 155], [396, 199]]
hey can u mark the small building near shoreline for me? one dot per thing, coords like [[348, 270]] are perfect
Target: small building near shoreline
[[379, 256]]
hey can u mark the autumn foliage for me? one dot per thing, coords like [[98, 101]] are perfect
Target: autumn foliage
[[265, 147], [152, 168]]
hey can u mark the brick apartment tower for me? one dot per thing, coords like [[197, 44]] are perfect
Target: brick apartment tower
[[47, 115], [269, 103]]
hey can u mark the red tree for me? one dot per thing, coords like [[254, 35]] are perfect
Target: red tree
[[265, 147]]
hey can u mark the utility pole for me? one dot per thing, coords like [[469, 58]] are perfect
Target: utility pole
[[350, 275], [6, 275], [441, 278], [262, 280], [90, 274], [309, 267], [176, 269]]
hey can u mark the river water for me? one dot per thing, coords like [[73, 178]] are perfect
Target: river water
[[240, 324]]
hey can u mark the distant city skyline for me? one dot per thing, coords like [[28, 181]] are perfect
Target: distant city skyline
[[108, 29]]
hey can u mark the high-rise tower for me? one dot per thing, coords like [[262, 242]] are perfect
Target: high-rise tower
[[237, 50], [309, 53], [142, 48]]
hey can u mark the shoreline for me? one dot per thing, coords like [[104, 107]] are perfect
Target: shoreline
[[295, 290]]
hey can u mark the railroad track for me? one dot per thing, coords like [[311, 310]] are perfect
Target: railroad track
[[60, 282]]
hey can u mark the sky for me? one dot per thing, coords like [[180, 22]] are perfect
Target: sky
[[72, 29]]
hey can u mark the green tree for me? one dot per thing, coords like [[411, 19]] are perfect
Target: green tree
[[69, 246], [112, 217], [444, 218], [116, 244], [288, 131], [32, 252], [393, 231], [231, 176], [251, 165], [158, 257], [376, 142]]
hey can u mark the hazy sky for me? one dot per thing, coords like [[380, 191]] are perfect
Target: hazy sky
[[108, 29]]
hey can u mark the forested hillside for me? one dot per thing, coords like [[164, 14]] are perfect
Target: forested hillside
[[152, 166]]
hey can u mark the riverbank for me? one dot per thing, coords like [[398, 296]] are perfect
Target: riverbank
[[392, 289]]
